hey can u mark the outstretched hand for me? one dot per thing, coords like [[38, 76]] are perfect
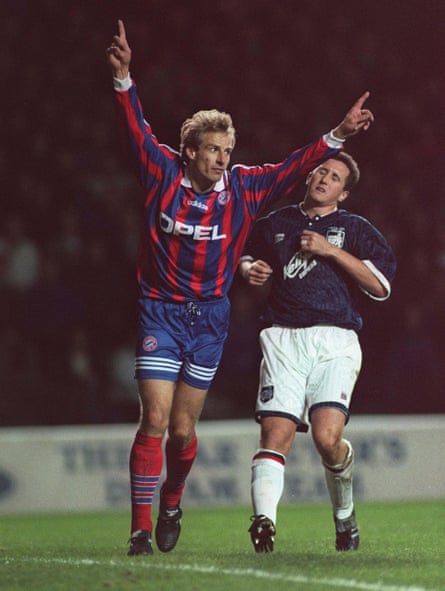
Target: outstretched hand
[[355, 119], [119, 53]]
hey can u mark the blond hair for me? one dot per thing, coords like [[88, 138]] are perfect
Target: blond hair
[[200, 122]]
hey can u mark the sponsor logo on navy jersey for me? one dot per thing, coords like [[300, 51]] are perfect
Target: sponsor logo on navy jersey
[[299, 265]]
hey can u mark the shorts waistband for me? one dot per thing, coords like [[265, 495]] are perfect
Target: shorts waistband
[[190, 303]]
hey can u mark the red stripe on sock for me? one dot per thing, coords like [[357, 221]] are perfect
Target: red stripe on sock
[[270, 455]]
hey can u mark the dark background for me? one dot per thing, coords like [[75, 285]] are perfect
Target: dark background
[[287, 71]]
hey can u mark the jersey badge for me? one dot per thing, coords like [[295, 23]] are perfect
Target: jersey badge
[[336, 236], [224, 197]]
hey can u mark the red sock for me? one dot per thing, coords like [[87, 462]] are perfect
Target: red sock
[[179, 464], [145, 471]]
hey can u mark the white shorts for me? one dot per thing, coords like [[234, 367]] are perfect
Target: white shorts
[[306, 368]]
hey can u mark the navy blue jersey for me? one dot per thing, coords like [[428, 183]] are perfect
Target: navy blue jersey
[[308, 290], [191, 242]]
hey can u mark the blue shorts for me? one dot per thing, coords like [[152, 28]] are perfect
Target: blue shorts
[[181, 340]]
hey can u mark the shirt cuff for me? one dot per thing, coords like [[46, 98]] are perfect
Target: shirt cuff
[[122, 85], [383, 280], [333, 141]]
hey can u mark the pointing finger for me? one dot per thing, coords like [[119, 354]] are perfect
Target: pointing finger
[[359, 102], [121, 27]]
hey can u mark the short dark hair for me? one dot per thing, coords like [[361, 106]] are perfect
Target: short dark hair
[[354, 171]]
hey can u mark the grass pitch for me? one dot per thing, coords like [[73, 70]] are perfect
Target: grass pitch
[[402, 549]]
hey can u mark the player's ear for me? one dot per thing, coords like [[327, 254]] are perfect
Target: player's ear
[[190, 152], [343, 196], [309, 176]]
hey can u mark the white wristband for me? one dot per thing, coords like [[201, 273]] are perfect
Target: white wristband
[[334, 138], [123, 84]]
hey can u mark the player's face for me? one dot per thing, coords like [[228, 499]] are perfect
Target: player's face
[[208, 163], [326, 184]]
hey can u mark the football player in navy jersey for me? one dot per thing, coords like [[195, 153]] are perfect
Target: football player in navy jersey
[[318, 256], [197, 216]]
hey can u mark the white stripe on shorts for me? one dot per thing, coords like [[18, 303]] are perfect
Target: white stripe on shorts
[[199, 372], [158, 364]]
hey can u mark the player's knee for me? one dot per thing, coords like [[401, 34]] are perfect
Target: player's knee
[[181, 435], [153, 421], [329, 445], [277, 434]]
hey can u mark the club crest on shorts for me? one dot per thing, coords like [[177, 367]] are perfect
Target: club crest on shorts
[[266, 393], [149, 344]]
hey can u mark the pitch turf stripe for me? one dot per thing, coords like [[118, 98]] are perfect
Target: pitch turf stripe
[[232, 572]]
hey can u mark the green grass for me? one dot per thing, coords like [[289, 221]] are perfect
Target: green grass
[[402, 548]]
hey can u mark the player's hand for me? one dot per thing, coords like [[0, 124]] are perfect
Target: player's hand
[[315, 243], [256, 273], [119, 53], [355, 119]]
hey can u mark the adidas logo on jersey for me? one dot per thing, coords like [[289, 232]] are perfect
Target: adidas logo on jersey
[[196, 203]]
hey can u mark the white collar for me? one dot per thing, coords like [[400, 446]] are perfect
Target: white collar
[[220, 185]]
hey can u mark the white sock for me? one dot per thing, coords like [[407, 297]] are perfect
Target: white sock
[[267, 482], [339, 482]]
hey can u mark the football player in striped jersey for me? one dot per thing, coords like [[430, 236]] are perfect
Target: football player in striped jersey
[[198, 212]]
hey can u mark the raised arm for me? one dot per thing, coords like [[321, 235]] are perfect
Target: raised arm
[[148, 158], [119, 53], [355, 119]]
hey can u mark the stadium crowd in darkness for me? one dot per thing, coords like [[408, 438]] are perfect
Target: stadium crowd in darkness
[[70, 208]]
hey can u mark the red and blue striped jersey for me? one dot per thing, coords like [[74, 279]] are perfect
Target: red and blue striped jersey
[[190, 242]]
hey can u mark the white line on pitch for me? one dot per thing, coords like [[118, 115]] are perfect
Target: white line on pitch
[[234, 572]]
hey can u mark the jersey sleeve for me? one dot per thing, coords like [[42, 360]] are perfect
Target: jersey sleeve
[[262, 185], [376, 253], [149, 159]]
